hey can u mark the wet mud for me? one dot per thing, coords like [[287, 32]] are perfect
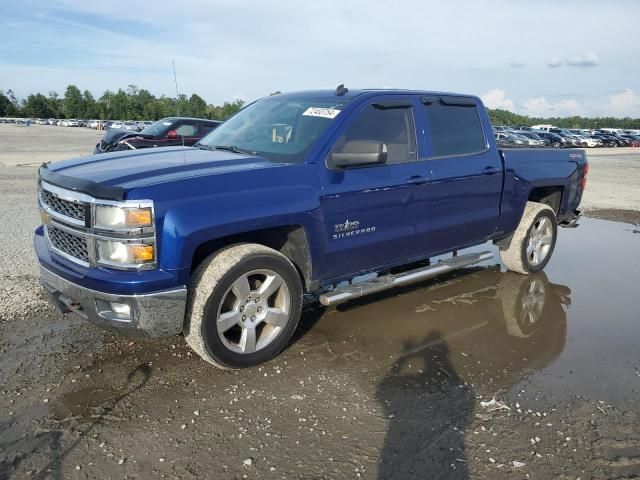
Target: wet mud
[[479, 374]]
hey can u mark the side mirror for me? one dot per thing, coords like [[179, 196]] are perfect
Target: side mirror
[[172, 134], [358, 153]]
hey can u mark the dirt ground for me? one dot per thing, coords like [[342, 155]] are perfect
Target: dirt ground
[[482, 374]]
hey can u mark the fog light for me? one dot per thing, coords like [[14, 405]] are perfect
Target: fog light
[[121, 310]]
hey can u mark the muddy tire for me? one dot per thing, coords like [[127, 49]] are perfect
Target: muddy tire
[[243, 307], [533, 241]]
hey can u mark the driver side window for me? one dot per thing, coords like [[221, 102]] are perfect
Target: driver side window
[[390, 127]]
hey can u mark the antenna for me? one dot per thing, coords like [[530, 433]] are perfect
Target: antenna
[[175, 79], [341, 90]]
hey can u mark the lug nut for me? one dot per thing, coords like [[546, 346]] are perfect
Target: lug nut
[[258, 300], [259, 309], [244, 317], [248, 299], [253, 317], [242, 309]]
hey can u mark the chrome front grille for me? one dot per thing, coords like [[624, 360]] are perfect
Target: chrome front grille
[[69, 244], [68, 208]]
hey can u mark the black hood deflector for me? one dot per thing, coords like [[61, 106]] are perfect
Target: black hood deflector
[[80, 185]]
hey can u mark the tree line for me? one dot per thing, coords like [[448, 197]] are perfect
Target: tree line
[[132, 103], [135, 103], [504, 117]]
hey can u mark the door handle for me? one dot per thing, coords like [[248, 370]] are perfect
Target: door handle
[[490, 170], [417, 180]]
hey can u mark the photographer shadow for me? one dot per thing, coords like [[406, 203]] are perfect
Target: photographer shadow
[[428, 407]]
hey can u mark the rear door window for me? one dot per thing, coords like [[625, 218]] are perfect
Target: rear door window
[[456, 129]]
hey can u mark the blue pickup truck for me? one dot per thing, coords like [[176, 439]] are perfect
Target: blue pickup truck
[[297, 195]]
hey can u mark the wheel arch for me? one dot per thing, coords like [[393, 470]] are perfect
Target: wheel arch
[[289, 240], [549, 195]]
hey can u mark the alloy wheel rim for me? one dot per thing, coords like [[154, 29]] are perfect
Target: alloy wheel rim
[[254, 311], [540, 239]]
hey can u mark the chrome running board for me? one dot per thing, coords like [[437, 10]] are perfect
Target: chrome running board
[[343, 294]]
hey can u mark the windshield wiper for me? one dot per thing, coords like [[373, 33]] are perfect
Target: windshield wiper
[[203, 147], [235, 149]]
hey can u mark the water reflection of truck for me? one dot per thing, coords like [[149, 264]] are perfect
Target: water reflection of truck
[[497, 326]]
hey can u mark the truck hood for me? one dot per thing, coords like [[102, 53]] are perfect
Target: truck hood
[[110, 175]]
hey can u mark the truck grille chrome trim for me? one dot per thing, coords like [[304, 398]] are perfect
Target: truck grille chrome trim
[[72, 246], [67, 208]]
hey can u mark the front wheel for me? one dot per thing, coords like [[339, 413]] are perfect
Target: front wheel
[[244, 305], [533, 241]]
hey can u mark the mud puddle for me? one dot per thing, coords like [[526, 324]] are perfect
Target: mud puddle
[[571, 330], [388, 387]]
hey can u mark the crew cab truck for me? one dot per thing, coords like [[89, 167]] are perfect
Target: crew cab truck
[[297, 193]]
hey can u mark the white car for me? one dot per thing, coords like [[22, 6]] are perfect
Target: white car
[[93, 123], [590, 142], [117, 124], [72, 122]]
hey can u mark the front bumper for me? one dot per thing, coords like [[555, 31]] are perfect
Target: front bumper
[[154, 314]]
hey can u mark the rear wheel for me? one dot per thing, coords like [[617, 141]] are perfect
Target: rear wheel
[[533, 241], [244, 305]]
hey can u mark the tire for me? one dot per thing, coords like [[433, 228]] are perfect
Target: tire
[[233, 318], [538, 229]]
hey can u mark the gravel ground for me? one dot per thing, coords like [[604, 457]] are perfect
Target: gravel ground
[[442, 380]]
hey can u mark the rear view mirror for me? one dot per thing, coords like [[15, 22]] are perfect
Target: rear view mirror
[[357, 153], [172, 134]]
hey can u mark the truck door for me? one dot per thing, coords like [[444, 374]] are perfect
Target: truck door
[[372, 203], [466, 173]]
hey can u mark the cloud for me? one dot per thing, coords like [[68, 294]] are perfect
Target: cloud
[[541, 107], [589, 59], [496, 98], [555, 62], [517, 64], [623, 104]]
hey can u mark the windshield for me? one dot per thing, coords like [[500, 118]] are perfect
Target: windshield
[[278, 129], [157, 128]]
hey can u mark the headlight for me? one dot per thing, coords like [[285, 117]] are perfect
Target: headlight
[[125, 254], [110, 217]]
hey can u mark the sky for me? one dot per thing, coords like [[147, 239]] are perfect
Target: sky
[[535, 57]]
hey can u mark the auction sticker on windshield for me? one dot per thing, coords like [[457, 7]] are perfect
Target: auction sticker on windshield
[[321, 112]]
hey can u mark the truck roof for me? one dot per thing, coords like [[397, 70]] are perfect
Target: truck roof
[[353, 93]]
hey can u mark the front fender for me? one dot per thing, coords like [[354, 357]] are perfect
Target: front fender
[[198, 210]]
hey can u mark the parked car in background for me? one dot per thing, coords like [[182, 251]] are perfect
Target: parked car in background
[[509, 140], [117, 124], [555, 140], [168, 132], [633, 139], [131, 126], [534, 139], [607, 140]]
